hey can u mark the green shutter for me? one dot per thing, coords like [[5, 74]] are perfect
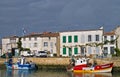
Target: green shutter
[[75, 38], [75, 50], [64, 50], [64, 39], [69, 39]]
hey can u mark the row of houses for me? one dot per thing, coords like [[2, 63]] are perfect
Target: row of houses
[[67, 43]]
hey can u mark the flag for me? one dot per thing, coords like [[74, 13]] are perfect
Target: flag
[[23, 31]]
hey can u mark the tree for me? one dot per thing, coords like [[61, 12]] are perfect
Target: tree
[[117, 50], [19, 45]]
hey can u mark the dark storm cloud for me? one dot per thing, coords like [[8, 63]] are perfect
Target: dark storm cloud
[[91, 12], [57, 15]]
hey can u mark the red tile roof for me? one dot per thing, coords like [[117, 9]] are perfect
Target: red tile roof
[[44, 34], [109, 33]]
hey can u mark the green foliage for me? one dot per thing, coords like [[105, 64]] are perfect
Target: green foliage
[[117, 51], [25, 49], [19, 44], [106, 41], [55, 55]]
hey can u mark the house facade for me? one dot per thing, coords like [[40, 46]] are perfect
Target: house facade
[[0, 49], [117, 33], [9, 44], [46, 41], [81, 42], [109, 43]]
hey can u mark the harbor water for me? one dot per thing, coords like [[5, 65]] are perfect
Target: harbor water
[[52, 73]]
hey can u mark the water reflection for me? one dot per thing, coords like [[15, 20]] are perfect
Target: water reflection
[[18, 73], [50, 73], [35, 73], [92, 75]]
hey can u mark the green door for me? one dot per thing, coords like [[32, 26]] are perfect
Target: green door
[[70, 51]]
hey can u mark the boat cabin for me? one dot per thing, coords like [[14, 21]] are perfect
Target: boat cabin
[[81, 61]]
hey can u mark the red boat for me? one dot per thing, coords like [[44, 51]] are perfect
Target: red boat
[[83, 65]]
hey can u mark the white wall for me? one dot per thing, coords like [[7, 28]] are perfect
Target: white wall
[[80, 35], [40, 44], [108, 45]]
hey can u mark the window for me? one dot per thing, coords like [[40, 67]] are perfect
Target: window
[[30, 45], [49, 38], [75, 38], [51, 44], [89, 38], [112, 50], [97, 37], [111, 38], [105, 49], [35, 44], [89, 50], [97, 50], [35, 38], [82, 50], [29, 38], [51, 51], [64, 50], [82, 38], [24, 45], [105, 38], [69, 39], [64, 39], [45, 44], [75, 50]]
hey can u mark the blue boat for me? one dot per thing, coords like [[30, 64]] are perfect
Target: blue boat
[[20, 64]]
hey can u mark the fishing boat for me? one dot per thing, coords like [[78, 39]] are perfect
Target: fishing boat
[[20, 64], [83, 65]]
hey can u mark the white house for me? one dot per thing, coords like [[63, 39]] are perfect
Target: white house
[[83, 42], [109, 43], [46, 41], [9, 44], [117, 33]]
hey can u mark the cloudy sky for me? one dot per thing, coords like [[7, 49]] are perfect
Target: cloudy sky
[[57, 15]]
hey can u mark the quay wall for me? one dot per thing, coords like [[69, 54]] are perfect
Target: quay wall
[[64, 61], [48, 61]]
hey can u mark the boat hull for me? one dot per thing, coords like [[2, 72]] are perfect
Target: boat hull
[[18, 66], [98, 68]]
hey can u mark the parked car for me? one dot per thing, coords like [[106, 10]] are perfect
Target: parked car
[[41, 54], [27, 54]]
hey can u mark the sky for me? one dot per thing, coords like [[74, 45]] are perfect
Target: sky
[[57, 15]]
